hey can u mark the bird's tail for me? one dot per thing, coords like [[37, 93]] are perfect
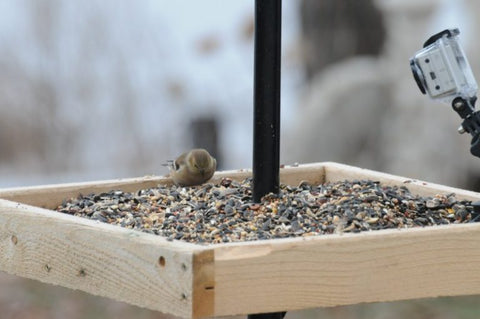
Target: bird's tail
[[169, 164]]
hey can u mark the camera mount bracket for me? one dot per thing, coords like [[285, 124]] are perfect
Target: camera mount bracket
[[471, 121]]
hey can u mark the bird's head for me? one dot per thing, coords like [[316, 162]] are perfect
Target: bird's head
[[200, 161]]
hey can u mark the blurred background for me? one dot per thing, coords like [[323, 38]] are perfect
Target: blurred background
[[93, 90]]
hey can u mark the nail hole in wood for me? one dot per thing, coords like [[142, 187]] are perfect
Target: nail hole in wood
[[209, 288], [184, 296], [14, 239], [184, 267], [161, 261], [82, 273], [48, 268]]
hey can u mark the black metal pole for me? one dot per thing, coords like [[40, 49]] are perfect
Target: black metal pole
[[274, 315], [266, 96], [266, 117]]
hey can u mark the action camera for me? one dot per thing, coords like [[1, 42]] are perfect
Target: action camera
[[441, 70]]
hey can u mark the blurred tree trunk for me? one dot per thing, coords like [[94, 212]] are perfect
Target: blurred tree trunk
[[204, 131], [337, 29]]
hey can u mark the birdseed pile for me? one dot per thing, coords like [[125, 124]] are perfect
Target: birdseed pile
[[223, 212]]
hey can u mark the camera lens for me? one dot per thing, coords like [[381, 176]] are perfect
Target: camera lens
[[417, 75]]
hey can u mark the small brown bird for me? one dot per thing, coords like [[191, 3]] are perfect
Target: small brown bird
[[192, 168]]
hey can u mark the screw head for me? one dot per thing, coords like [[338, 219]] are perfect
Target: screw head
[[459, 104]]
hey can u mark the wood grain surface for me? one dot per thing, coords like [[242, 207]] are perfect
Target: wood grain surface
[[97, 258], [388, 265]]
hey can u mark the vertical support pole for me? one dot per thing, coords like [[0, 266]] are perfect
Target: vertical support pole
[[266, 82], [266, 117]]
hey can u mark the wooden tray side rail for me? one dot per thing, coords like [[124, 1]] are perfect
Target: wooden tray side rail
[[50, 196], [389, 265], [140, 269]]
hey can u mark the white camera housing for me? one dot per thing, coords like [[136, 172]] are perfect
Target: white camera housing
[[441, 68]]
